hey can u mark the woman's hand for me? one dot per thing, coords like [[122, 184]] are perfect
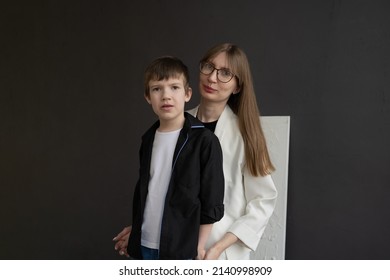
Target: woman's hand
[[216, 250], [122, 240], [201, 254], [212, 254]]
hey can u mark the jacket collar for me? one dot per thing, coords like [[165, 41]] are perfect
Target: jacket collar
[[226, 117], [190, 122]]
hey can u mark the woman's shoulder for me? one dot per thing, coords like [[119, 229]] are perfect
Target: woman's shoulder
[[228, 122]]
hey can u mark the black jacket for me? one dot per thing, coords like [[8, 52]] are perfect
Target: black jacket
[[195, 192]]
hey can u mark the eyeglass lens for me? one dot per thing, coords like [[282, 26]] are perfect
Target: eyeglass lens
[[223, 75]]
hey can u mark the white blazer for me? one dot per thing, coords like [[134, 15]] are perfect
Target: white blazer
[[249, 201]]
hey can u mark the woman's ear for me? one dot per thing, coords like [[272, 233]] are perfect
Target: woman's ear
[[237, 90]]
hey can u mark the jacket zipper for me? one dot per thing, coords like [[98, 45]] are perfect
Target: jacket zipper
[[177, 156]]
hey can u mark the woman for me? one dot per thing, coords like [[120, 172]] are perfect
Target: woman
[[228, 107]]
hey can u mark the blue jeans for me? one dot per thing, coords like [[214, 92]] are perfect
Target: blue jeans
[[149, 254]]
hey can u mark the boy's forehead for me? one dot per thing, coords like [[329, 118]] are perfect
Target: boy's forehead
[[179, 78]]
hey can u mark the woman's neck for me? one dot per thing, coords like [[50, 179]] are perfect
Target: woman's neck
[[209, 112]]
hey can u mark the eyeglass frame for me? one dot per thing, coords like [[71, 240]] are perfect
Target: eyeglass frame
[[202, 63]]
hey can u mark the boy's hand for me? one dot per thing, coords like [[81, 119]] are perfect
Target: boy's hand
[[122, 240]]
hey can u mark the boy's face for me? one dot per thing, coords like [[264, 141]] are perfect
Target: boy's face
[[168, 98]]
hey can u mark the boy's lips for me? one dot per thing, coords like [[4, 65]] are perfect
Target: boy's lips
[[166, 106]]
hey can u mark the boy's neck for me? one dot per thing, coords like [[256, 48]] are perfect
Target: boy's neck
[[171, 125], [210, 112]]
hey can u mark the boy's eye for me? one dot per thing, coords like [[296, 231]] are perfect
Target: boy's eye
[[155, 89]]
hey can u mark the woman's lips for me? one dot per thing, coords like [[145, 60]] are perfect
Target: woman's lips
[[208, 89]]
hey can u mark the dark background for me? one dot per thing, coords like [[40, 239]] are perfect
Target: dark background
[[72, 113]]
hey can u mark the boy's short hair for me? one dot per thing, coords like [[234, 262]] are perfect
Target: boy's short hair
[[163, 68]]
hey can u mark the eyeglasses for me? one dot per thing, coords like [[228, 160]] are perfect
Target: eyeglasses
[[223, 74]]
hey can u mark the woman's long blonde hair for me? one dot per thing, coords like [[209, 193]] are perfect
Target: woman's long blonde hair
[[244, 105]]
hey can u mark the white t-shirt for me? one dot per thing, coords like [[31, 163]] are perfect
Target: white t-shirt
[[160, 174]]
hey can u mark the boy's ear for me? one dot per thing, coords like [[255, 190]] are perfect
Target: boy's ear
[[188, 94], [147, 98]]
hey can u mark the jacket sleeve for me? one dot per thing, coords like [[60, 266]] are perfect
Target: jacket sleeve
[[261, 194], [212, 181]]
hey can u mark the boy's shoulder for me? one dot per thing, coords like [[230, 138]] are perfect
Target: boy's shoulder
[[197, 128], [192, 121], [194, 124]]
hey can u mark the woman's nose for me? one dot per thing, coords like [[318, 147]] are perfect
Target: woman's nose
[[213, 76]]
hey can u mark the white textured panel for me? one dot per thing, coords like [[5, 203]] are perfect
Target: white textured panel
[[277, 134]]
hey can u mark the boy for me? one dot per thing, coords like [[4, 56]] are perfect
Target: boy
[[179, 193]]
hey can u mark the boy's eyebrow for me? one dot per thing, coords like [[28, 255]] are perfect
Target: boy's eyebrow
[[157, 83], [176, 83]]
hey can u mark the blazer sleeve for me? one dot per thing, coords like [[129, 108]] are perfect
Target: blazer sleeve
[[261, 194], [212, 181]]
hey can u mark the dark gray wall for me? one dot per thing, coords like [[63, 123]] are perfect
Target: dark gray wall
[[72, 113]]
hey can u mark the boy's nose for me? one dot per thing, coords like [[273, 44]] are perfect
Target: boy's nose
[[166, 95]]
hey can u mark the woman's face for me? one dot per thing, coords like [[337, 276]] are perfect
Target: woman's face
[[213, 90]]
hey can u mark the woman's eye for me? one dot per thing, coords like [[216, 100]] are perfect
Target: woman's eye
[[225, 73], [208, 66]]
